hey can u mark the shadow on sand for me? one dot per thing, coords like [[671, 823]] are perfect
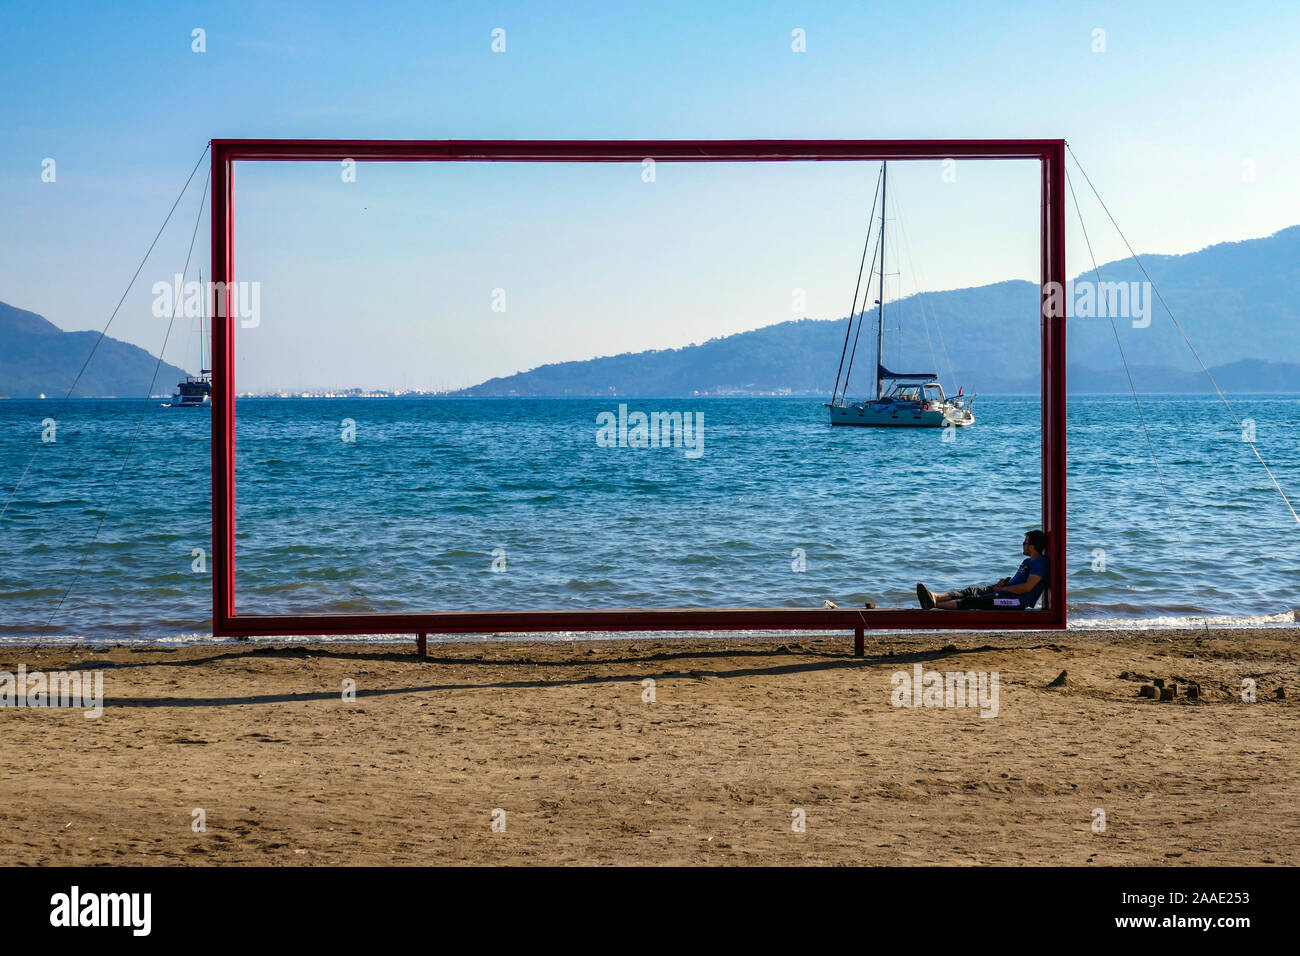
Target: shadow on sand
[[783, 652]]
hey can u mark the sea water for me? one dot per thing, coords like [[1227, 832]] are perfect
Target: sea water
[[423, 504]]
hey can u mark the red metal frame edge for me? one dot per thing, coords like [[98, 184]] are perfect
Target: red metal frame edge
[[225, 152]]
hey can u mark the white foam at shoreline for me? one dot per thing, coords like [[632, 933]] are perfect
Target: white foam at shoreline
[[1171, 622], [1177, 622]]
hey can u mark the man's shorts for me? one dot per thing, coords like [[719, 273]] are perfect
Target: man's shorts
[[985, 599]]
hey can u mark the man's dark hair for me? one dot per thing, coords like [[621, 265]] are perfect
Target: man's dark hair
[[1038, 539]]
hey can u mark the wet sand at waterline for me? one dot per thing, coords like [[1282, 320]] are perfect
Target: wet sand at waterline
[[740, 737]]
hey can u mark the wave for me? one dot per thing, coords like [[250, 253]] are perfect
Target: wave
[[1175, 622], [31, 593], [274, 588]]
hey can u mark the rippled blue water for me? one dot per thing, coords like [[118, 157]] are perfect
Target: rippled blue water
[[410, 515]]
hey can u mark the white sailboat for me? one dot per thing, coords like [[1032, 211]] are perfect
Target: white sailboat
[[195, 391], [912, 399]]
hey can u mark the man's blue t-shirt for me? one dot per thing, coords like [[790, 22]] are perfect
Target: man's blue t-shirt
[[1028, 567]]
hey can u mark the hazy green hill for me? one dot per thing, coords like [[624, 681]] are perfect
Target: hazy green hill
[[1239, 303], [38, 357]]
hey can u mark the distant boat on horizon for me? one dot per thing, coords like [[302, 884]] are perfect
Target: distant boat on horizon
[[195, 391], [913, 399]]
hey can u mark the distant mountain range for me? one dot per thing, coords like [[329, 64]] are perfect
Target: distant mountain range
[[37, 357], [1239, 303]]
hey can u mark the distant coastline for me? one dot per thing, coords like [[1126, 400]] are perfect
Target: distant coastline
[[1239, 304], [800, 397]]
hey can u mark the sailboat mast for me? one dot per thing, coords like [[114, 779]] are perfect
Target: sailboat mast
[[880, 314], [202, 309]]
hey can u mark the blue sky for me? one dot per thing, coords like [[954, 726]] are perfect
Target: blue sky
[[1181, 121]]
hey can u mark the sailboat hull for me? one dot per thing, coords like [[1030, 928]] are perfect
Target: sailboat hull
[[898, 415]]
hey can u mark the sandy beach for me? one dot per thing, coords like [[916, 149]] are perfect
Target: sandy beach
[[743, 741]]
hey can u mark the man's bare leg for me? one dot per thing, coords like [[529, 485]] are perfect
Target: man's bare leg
[[929, 600], [944, 600]]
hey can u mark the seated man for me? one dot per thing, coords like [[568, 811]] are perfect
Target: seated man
[[1021, 591]]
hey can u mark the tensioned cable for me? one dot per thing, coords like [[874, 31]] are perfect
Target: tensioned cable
[[920, 299], [1178, 325], [853, 308], [104, 332], [139, 418], [866, 294], [1151, 451], [861, 315]]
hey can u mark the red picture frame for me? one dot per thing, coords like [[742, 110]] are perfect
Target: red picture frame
[[226, 152]]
